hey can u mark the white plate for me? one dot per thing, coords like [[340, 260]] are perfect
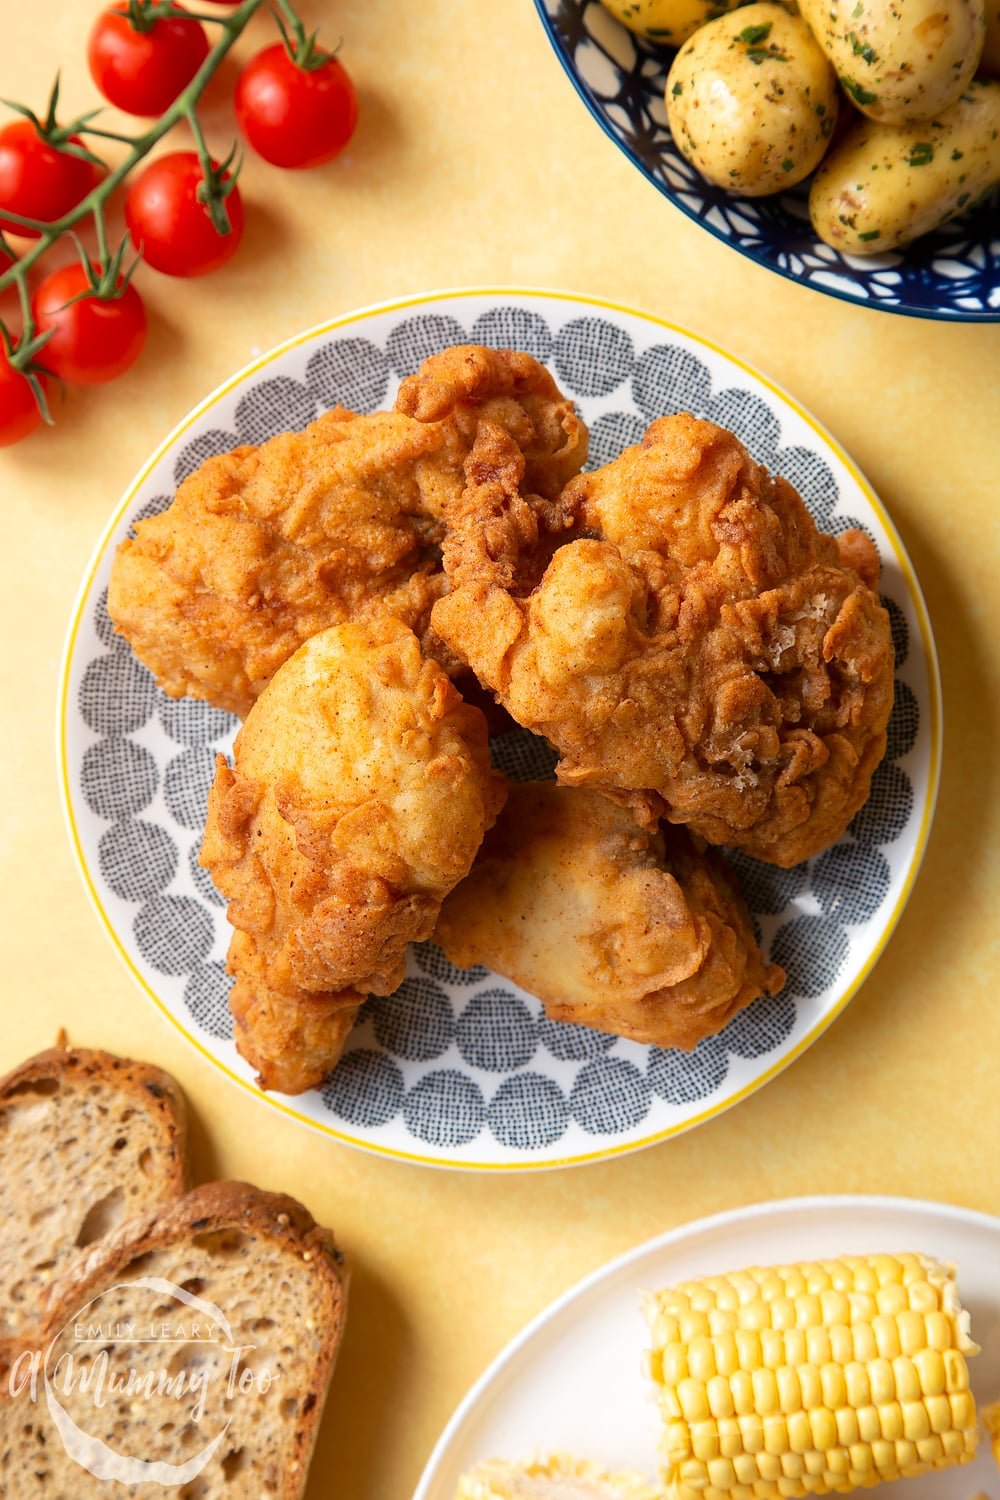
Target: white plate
[[460, 1068], [571, 1382]]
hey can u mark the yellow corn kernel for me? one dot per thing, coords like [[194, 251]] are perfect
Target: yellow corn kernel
[[956, 1371], [841, 1344], [818, 1346], [693, 1325], [847, 1426], [765, 1392], [730, 1438], [884, 1456], [720, 1397], [775, 1435], [906, 1456], [694, 1403], [752, 1432], [835, 1307], [741, 1387], [704, 1441], [721, 1474], [938, 1410], [792, 1466], [815, 1462], [865, 1347], [800, 1438], [789, 1390], [783, 1313], [930, 1450], [722, 1320], [811, 1387], [887, 1269], [769, 1466], [963, 1409], [915, 1423], [745, 1466], [808, 1312], [886, 1337], [891, 1418], [882, 1382], [701, 1359], [938, 1330], [907, 1380], [824, 1428], [673, 1359], [748, 1349], [922, 1296], [891, 1300], [838, 1461], [861, 1458], [772, 1348], [726, 1358], [869, 1426], [834, 1386], [677, 1441], [912, 1333]]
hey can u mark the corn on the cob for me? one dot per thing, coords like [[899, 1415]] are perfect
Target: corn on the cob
[[557, 1478], [799, 1380]]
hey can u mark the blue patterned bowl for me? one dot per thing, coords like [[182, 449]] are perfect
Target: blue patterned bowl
[[953, 274], [459, 1067]]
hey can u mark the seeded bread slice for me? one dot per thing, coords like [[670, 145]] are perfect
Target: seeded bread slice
[[86, 1141], [258, 1321]]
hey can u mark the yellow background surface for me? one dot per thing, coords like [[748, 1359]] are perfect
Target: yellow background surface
[[475, 163]]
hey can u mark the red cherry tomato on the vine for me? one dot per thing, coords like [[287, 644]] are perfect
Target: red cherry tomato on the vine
[[38, 180], [292, 116], [142, 72], [95, 338], [19, 411], [170, 226]]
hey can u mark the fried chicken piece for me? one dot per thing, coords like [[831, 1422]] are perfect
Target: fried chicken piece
[[263, 547], [469, 384], [696, 649], [360, 791], [626, 929]]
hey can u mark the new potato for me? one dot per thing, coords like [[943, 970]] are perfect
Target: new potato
[[900, 59], [752, 101], [668, 21], [885, 185]]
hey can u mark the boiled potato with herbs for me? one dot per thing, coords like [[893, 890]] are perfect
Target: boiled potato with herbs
[[900, 60], [752, 101], [668, 21], [885, 185]]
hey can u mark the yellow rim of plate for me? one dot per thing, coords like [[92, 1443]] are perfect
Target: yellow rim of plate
[[930, 657]]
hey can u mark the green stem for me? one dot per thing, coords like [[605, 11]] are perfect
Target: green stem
[[294, 24], [182, 107]]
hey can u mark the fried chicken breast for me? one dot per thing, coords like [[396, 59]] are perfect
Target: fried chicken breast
[[695, 647], [627, 929], [263, 547], [359, 794]]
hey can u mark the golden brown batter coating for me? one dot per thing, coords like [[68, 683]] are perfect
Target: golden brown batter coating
[[697, 648], [263, 547], [359, 795], [627, 929]]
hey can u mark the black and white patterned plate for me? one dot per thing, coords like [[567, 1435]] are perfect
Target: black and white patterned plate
[[459, 1067]]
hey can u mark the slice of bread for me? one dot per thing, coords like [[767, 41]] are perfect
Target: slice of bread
[[86, 1141], [232, 1288]]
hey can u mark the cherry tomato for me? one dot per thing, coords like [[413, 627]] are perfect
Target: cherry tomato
[[19, 413], [38, 180], [170, 226], [96, 338], [292, 116], [142, 72]]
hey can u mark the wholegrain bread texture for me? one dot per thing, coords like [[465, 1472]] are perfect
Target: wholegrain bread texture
[[87, 1140], [264, 1358]]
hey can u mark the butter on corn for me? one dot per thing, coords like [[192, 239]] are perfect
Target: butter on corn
[[557, 1478], [798, 1380]]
